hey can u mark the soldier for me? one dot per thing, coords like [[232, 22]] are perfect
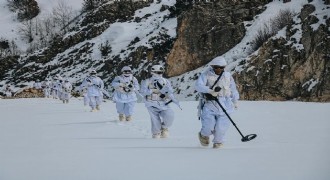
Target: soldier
[[94, 86], [158, 93], [66, 91], [126, 86], [8, 91], [215, 84]]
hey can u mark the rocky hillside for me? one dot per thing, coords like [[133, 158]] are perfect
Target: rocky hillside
[[291, 65], [284, 71], [184, 36]]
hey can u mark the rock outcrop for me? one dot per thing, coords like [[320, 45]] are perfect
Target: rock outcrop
[[284, 71], [206, 30], [29, 93]]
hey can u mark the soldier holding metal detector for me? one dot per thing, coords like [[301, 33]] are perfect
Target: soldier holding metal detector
[[219, 98]]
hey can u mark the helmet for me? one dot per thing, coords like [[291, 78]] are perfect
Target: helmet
[[157, 68], [218, 61], [93, 72], [126, 68], [58, 76]]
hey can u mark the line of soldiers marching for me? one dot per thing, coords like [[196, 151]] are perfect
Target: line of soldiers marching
[[213, 85]]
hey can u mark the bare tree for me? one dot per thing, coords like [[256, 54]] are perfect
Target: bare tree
[[13, 48], [26, 30], [48, 25], [41, 33], [14, 4], [62, 14]]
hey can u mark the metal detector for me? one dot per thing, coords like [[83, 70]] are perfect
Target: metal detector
[[244, 138]]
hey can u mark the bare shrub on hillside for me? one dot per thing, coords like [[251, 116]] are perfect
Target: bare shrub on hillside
[[283, 19], [4, 47], [105, 48], [274, 25], [89, 5], [8, 48], [262, 36]]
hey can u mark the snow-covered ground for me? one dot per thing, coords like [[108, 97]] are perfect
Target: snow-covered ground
[[43, 139]]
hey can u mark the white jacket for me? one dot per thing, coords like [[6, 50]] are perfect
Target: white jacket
[[228, 94], [125, 89], [66, 87], [152, 93], [94, 86]]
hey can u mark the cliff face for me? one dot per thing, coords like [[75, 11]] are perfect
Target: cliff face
[[208, 30], [281, 71]]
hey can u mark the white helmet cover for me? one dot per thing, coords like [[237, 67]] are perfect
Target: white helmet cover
[[218, 61], [157, 68], [126, 68]]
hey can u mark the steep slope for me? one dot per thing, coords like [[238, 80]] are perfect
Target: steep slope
[[292, 64], [104, 39]]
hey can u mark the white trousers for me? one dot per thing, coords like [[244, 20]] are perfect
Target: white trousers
[[54, 93], [160, 119], [65, 96], [47, 92], [94, 101], [8, 94], [213, 123], [86, 99], [125, 108]]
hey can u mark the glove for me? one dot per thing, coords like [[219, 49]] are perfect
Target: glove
[[235, 103], [213, 93], [122, 85], [162, 95], [127, 89], [217, 89], [165, 90], [156, 91]]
